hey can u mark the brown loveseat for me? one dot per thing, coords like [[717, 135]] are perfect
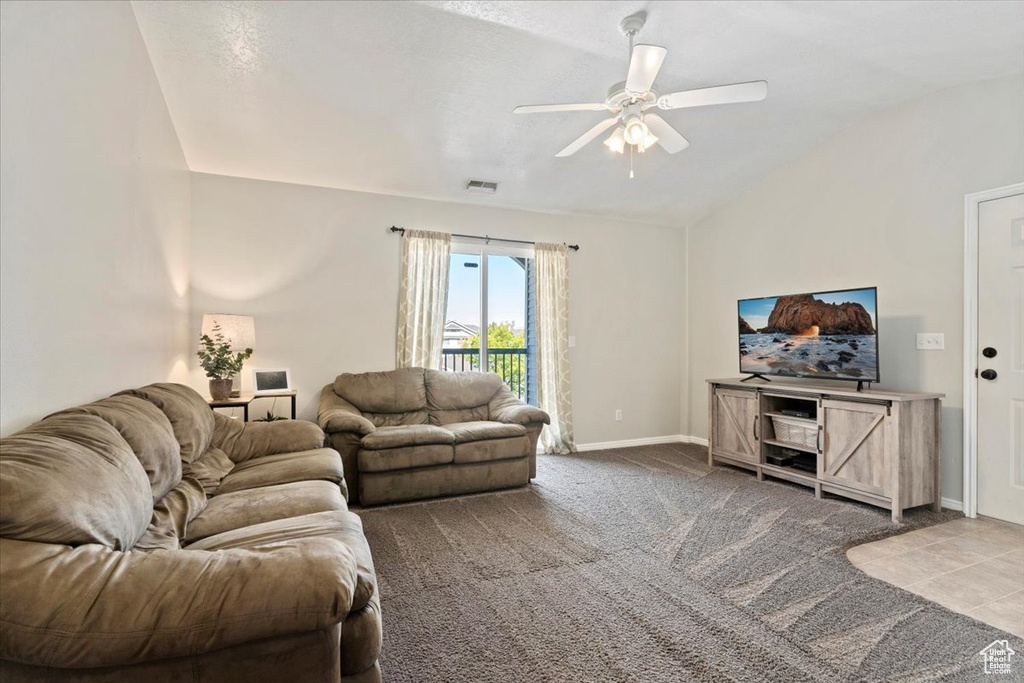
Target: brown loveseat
[[414, 433], [144, 538]]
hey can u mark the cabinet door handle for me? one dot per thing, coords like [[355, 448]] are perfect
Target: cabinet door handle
[[820, 431], [755, 426]]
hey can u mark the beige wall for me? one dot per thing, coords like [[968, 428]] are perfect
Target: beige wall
[[881, 204], [94, 219], [319, 271]]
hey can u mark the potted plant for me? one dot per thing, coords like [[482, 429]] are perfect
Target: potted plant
[[219, 363]]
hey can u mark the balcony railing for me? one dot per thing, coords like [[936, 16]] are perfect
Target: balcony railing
[[509, 363]]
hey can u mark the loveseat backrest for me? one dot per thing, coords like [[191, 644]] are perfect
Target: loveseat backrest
[[387, 399], [414, 396], [459, 396]]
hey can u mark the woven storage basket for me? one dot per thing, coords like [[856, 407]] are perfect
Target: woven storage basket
[[795, 432]]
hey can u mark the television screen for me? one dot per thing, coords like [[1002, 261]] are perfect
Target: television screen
[[827, 335]]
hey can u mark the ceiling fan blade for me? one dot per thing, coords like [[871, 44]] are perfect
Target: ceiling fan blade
[[544, 108], [644, 64], [721, 94], [668, 137], [576, 144]]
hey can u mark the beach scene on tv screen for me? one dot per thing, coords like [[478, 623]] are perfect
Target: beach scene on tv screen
[[829, 335]]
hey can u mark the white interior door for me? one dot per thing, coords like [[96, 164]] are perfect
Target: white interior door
[[1001, 359]]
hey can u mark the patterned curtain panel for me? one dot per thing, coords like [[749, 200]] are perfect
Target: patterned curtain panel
[[422, 298], [553, 388]]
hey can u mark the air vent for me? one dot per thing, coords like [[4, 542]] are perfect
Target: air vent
[[481, 186]]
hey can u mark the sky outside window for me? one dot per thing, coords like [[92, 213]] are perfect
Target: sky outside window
[[506, 298]]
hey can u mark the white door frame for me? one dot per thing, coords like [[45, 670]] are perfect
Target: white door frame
[[972, 205]]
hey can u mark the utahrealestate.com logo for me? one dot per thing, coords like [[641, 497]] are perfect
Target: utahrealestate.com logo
[[997, 657]]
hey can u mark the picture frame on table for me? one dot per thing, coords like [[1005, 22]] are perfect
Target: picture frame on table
[[271, 380]]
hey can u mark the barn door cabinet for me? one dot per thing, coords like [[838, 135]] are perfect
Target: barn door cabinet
[[877, 447]]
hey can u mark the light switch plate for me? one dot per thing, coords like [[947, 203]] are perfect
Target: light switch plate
[[931, 341], [572, 341]]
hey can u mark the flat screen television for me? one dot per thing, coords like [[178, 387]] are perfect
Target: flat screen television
[[824, 335]]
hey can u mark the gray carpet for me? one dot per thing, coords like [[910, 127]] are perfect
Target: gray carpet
[[643, 564]]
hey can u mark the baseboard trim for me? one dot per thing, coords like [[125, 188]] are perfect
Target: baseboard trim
[[626, 443], [646, 441], [951, 504]]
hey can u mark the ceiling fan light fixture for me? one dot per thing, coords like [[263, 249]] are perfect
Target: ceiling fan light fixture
[[648, 141], [616, 142], [635, 130]]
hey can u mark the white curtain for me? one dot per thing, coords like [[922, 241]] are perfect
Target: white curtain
[[422, 298], [553, 387]]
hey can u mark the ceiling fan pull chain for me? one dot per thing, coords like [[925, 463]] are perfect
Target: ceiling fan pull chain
[[631, 162]]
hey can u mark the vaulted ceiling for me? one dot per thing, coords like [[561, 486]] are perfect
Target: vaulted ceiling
[[416, 98]]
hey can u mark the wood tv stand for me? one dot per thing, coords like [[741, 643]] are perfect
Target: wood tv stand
[[878, 447]]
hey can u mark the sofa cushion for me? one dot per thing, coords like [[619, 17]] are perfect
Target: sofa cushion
[[465, 432], [378, 488], [284, 468], [394, 391], [459, 390], [189, 414], [338, 524], [148, 431], [413, 417], [410, 435], [172, 515], [209, 469], [265, 504], [405, 458], [73, 479], [446, 417], [241, 441], [492, 449]]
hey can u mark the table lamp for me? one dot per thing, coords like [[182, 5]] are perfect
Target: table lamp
[[239, 331]]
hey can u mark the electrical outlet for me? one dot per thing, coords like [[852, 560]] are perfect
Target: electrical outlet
[[931, 341], [618, 416], [572, 341]]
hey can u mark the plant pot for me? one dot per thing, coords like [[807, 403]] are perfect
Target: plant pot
[[220, 389]]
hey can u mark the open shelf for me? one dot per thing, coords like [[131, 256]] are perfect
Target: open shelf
[[794, 446], [802, 420]]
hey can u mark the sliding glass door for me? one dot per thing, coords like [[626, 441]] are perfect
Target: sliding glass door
[[490, 289]]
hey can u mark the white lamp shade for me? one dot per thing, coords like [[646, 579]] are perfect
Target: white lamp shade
[[238, 330]]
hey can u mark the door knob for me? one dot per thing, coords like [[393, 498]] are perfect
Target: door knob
[[989, 352], [989, 374]]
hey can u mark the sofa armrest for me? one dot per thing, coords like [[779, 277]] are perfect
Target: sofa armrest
[[336, 415], [90, 606], [505, 407], [245, 440]]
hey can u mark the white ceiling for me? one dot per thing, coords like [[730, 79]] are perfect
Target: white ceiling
[[415, 98]]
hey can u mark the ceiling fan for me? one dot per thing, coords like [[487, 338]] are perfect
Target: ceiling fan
[[630, 102]]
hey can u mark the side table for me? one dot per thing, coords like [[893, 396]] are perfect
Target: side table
[[246, 398]]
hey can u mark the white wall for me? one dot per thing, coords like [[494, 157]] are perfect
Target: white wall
[[319, 271], [882, 203], [94, 219]]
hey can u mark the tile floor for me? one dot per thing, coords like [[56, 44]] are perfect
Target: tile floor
[[972, 566]]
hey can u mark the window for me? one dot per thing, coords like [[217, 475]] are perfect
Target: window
[[491, 288]]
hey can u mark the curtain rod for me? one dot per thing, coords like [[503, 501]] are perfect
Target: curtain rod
[[488, 238]]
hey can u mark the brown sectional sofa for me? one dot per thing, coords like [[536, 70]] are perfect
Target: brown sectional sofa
[[143, 537], [414, 433]]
